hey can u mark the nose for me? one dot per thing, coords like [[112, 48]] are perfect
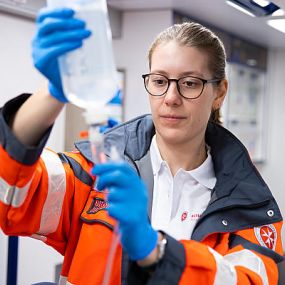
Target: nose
[[172, 96]]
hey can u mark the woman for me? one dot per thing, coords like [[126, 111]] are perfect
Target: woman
[[191, 208]]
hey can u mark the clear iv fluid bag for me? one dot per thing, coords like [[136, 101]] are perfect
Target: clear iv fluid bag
[[88, 74]]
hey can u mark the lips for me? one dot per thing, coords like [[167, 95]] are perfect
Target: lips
[[173, 117], [171, 120]]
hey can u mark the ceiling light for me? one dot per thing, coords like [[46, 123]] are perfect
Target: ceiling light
[[278, 24], [241, 9], [278, 13], [258, 8], [262, 3]]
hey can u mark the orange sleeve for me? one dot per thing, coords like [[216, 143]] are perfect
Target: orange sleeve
[[37, 200], [251, 259], [238, 258]]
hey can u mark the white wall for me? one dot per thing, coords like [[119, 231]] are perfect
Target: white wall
[[3, 257], [138, 32], [273, 170], [17, 75]]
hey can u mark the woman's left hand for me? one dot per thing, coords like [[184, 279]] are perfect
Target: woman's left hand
[[127, 199]]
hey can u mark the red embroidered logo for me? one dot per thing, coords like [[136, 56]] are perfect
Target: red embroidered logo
[[97, 205], [184, 216], [266, 236]]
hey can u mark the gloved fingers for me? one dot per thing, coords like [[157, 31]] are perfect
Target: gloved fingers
[[54, 52], [118, 213], [122, 166], [113, 178], [102, 129], [117, 195], [52, 25], [68, 36], [122, 215], [62, 13], [112, 122]]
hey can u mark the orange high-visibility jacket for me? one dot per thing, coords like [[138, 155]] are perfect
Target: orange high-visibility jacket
[[49, 196]]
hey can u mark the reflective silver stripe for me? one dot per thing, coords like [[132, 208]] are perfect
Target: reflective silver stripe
[[226, 273], [21, 194], [6, 192], [250, 260], [56, 191], [39, 237], [63, 280], [12, 195], [68, 283]]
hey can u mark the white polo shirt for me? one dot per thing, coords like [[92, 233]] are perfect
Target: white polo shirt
[[179, 201]]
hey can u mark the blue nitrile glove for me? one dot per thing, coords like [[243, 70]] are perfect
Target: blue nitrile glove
[[57, 33], [115, 100], [127, 198], [110, 124]]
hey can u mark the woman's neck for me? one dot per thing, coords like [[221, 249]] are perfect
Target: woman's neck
[[188, 156]]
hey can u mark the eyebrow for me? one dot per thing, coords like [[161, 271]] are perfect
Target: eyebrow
[[186, 73]]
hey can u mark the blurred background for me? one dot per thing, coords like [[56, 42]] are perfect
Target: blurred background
[[254, 36]]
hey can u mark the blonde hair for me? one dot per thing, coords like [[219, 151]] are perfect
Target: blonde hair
[[195, 35]]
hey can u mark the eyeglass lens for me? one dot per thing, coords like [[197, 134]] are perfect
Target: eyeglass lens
[[189, 87]]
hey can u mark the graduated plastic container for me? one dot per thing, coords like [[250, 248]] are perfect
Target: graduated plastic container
[[88, 74]]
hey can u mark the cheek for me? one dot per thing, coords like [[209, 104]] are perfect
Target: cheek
[[202, 111], [207, 102], [155, 103]]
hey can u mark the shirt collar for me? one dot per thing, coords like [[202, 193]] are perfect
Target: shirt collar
[[155, 156], [204, 174]]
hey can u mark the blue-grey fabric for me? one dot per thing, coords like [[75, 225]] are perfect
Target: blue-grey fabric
[[240, 197], [24, 154]]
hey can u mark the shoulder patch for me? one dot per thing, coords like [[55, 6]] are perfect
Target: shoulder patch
[[95, 210], [266, 236], [97, 205]]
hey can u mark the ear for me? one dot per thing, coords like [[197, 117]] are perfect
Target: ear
[[221, 92]]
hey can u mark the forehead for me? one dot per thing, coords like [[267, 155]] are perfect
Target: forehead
[[175, 59]]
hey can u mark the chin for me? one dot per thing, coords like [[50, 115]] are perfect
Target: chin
[[172, 136]]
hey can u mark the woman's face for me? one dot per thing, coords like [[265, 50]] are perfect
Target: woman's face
[[178, 120]]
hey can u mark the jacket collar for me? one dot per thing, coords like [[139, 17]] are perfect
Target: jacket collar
[[232, 164]]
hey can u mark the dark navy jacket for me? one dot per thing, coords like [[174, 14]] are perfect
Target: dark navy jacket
[[240, 200]]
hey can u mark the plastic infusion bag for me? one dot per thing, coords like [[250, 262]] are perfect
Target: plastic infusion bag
[[88, 74]]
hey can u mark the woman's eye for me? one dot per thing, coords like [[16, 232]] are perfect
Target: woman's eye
[[190, 84], [160, 81]]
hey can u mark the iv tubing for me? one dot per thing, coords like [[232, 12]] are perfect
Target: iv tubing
[[98, 156], [114, 244]]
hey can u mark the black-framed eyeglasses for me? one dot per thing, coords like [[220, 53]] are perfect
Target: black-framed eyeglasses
[[189, 87]]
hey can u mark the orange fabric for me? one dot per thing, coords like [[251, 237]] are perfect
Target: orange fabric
[[271, 269], [13, 172], [89, 261], [201, 265], [17, 221], [93, 213], [197, 271], [247, 277], [250, 235], [83, 235], [84, 246]]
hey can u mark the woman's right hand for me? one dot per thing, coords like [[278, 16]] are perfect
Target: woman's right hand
[[57, 32]]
